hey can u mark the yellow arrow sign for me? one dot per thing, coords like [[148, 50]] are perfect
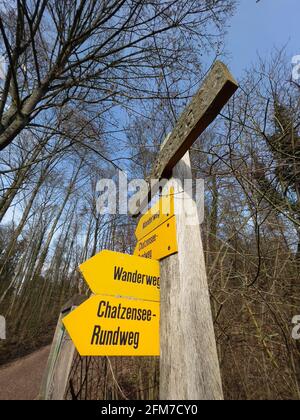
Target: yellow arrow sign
[[117, 274], [156, 216], [160, 243], [107, 326]]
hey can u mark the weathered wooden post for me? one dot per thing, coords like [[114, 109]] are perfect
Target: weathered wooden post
[[189, 367]]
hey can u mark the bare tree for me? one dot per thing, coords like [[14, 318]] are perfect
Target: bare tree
[[108, 53]]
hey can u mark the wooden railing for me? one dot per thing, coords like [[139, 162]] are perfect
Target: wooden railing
[[56, 376]]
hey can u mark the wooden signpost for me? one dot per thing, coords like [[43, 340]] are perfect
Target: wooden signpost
[[125, 315], [189, 366]]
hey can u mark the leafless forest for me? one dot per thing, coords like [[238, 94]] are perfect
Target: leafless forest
[[93, 87]]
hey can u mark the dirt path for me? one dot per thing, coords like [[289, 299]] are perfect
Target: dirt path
[[21, 379]]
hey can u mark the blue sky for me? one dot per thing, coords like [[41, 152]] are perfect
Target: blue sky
[[256, 28]]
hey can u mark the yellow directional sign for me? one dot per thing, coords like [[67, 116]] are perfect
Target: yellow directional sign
[[160, 243], [107, 326], [117, 274], [156, 216]]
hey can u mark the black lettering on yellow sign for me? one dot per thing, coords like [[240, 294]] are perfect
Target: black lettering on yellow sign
[[151, 220], [105, 310], [115, 338], [135, 277], [118, 337], [147, 254]]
